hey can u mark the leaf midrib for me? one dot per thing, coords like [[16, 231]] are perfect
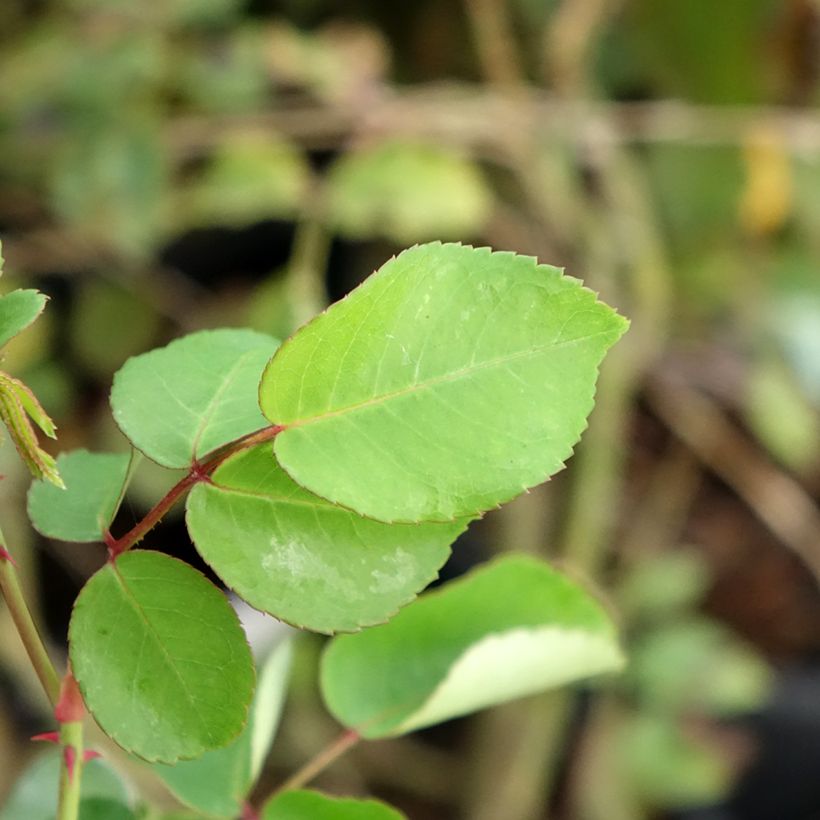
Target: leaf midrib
[[452, 376], [137, 607]]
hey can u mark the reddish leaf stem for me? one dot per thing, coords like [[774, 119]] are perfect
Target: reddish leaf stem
[[323, 759], [199, 471]]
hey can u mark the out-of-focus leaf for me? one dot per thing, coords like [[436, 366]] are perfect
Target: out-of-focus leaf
[[161, 660], [338, 63], [698, 190], [270, 307], [218, 782], [34, 796], [698, 665], [704, 51], [54, 386], [670, 769], [447, 383], [103, 808], [94, 484], [796, 321], [227, 79], [310, 805], [182, 401], [310, 563], [112, 186], [107, 325], [509, 629], [664, 584], [408, 192], [45, 71], [167, 13], [780, 415], [249, 178]]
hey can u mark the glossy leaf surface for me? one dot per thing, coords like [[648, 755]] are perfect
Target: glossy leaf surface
[[160, 657], [447, 383], [511, 628], [218, 782], [94, 484], [311, 805], [303, 559], [181, 401]]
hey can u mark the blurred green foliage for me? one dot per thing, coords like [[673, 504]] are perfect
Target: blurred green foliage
[[166, 166]]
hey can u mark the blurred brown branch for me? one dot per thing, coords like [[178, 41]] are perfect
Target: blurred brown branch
[[483, 119]]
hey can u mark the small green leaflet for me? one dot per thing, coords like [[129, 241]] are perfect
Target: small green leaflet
[[18, 310], [511, 628], [307, 561], [218, 782], [448, 382], [160, 657], [310, 805], [95, 483], [182, 401]]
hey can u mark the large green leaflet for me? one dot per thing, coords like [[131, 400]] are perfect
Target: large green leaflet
[[448, 382], [508, 629], [180, 402], [307, 561], [311, 805], [94, 485], [160, 657], [218, 782], [18, 310]]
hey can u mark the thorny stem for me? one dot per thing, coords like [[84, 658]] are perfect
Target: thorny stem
[[71, 742], [331, 752], [26, 628], [199, 471], [69, 713]]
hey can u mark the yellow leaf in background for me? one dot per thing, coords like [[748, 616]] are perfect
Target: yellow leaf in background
[[766, 201]]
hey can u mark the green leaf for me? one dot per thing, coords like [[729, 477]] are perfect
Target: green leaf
[[18, 310], [781, 416], [218, 782], [303, 559], [407, 191], [669, 767], [105, 310], [100, 808], [447, 383], [17, 406], [664, 584], [95, 483], [180, 402], [698, 665], [310, 805], [249, 178], [160, 657], [511, 628], [110, 182], [34, 796]]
